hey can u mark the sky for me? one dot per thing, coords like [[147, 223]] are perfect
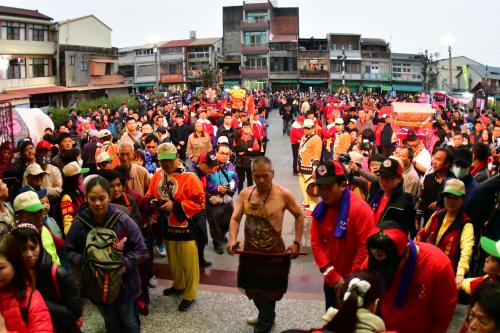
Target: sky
[[471, 27]]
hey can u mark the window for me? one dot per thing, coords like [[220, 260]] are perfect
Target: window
[[199, 53], [15, 30], [255, 38], [198, 65], [175, 68], [144, 52], [72, 60], [283, 64], [253, 17], [39, 32], [40, 67], [16, 69], [84, 66], [171, 50], [255, 62]]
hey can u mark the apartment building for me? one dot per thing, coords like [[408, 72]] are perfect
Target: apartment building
[[407, 72]]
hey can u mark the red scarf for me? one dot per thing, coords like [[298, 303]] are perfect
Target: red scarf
[[478, 167]]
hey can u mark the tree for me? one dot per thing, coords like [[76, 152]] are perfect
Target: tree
[[430, 69], [210, 76]]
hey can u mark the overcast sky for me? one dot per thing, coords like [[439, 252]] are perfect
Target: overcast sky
[[410, 26]]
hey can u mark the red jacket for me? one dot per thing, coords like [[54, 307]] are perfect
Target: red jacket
[[431, 299], [346, 255], [296, 133], [258, 131], [38, 316]]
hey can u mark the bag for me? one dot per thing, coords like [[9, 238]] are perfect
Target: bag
[[103, 266], [25, 311]]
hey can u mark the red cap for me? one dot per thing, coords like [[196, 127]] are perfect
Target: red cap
[[300, 119], [398, 236], [44, 144]]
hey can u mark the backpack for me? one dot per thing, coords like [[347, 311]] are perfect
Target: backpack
[[103, 266]]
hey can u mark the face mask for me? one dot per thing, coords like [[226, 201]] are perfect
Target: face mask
[[43, 160], [80, 162], [459, 172]]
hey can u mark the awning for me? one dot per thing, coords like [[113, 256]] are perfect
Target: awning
[[313, 81], [100, 87], [144, 85], [12, 95], [284, 81], [105, 60], [350, 84], [371, 85], [40, 90], [230, 83], [407, 87], [386, 87], [496, 97]]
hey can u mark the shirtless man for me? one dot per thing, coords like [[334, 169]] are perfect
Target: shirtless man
[[264, 277]]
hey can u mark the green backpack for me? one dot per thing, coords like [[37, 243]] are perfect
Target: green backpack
[[103, 266]]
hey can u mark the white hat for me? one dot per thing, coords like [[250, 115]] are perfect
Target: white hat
[[93, 133], [356, 157], [339, 121], [454, 186], [28, 201], [352, 120], [308, 123], [34, 170], [102, 133], [103, 157], [73, 168], [223, 139]]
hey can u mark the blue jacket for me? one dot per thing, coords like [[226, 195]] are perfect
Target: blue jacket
[[133, 252], [218, 178]]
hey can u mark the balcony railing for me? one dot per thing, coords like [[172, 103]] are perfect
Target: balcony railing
[[313, 54], [406, 77], [350, 54], [254, 71], [377, 76], [283, 53], [309, 74], [106, 79], [254, 48], [261, 25], [348, 76], [290, 75]]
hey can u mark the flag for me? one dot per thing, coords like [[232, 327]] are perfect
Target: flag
[[465, 72]]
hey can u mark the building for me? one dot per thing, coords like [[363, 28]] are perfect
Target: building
[[345, 61], [313, 64], [139, 65], [443, 74], [201, 53], [87, 61], [407, 72], [258, 32], [375, 65], [28, 64], [482, 81]]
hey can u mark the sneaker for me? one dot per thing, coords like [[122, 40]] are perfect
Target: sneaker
[[253, 320], [153, 282], [162, 250], [185, 305], [205, 264], [172, 291]]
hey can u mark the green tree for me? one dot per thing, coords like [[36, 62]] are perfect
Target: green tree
[[430, 69], [210, 76]]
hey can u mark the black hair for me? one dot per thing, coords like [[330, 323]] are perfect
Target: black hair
[[70, 156], [25, 235], [10, 249], [110, 175], [486, 296], [481, 151], [457, 133], [61, 136], [448, 153], [70, 185], [23, 144], [411, 137], [129, 119], [368, 134], [262, 160], [98, 181], [150, 138], [411, 152], [346, 318], [124, 174], [376, 157], [222, 145]]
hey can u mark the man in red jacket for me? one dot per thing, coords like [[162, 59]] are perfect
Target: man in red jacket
[[418, 279], [340, 226], [296, 133]]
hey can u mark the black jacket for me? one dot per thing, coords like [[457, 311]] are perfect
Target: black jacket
[[178, 134], [400, 208], [387, 135], [66, 310], [240, 146], [229, 133]]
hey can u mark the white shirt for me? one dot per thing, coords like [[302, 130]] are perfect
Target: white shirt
[[423, 158]]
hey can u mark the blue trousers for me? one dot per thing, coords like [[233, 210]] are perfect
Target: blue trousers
[[121, 318]]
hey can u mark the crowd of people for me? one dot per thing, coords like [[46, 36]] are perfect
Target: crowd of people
[[405, 227]]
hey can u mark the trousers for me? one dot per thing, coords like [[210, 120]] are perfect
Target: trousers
[[218, 217], [183, 260], [267, 314], [305, 180], [120, 318]]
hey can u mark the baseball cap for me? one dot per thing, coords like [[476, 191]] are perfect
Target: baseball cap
[[209, 159], [327, 172], [44, 144], [356, 157], [300, 119], [339, 121], [34, 170], [103, 157], [491, 247], [308, 123], [352, 120], [103, 133], [392, 167], [223, 139], [28, 201], [73, 168], [454, 186], [167, 151]]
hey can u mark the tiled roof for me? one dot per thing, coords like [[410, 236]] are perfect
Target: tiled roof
[[21, 12]]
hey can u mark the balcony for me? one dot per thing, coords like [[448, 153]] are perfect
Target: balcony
[[254, 48], [106, 79], [305, 74], [172, 78], [231, 75], [27, 82], [375, 55], [256, 72], [350, 54], [348, 76], [407, 77], [262, 25], [171, 57], [313, 54], [27, 47], [255, 5], [277, 75], [283, 53], [376, 76]]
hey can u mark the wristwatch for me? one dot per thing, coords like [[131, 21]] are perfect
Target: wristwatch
[[296, 243]]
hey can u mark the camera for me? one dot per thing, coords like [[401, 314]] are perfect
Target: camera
[[344, 158]]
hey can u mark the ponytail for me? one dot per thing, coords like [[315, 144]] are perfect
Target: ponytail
[[346, 318]]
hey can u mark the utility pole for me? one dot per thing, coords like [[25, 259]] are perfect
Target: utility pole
[[450, 83], [343, 66], [157, 70]]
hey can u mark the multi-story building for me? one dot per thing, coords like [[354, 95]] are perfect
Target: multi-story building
[[345, 60], [201, 53], [375, 64], [479, 77], [407, 72], [28, 64], [313, 64], [443, 74], [87, 61]]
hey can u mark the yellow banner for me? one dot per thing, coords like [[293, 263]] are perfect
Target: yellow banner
[[465, 72]]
